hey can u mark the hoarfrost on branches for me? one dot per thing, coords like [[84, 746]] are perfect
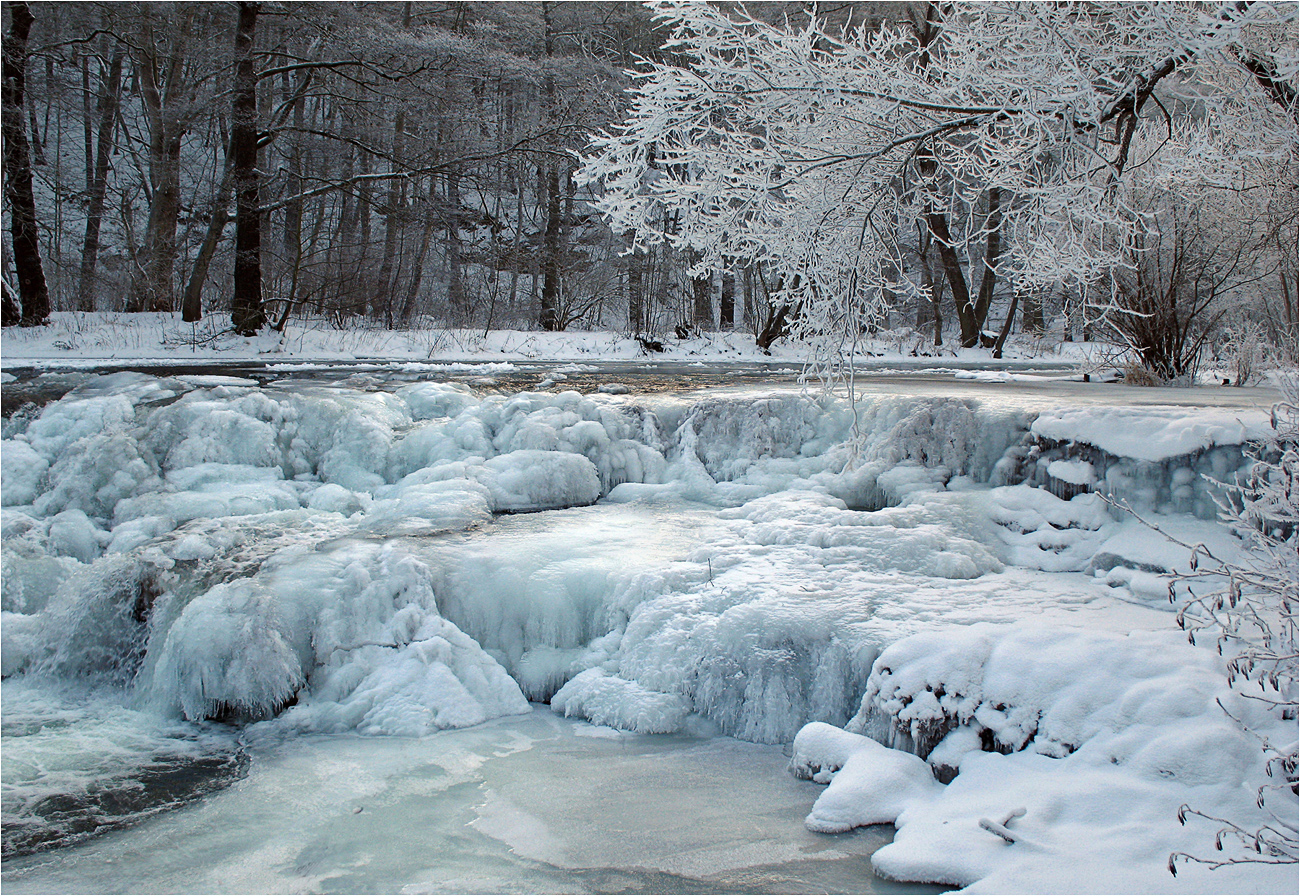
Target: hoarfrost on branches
[[818, 153], [1249, 609]]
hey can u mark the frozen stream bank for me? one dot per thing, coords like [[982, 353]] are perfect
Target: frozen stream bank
[[296, 564]]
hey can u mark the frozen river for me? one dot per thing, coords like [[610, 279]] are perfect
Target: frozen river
[[295, 629], [526, 804]]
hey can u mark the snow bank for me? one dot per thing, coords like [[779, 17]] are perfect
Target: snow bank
[[1068, 753], [870, 784], [1150, 433]]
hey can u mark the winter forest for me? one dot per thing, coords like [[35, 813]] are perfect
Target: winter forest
[[1120, 174], [649, 447]]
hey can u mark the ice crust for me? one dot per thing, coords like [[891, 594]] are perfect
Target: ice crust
[[212, 544]]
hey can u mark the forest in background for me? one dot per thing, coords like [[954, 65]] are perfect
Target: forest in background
[[413, 164]]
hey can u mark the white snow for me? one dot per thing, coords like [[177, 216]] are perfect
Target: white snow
[[1099, 737], [1149, 433], [1076, 472]]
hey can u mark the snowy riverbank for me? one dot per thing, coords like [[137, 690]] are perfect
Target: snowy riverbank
[[85, 340]]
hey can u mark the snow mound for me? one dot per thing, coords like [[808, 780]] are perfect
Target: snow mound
[[1066, 750], [869, 784], [1041, 531]]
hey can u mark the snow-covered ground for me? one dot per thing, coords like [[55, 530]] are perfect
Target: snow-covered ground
[[89, 340], [403, 558]]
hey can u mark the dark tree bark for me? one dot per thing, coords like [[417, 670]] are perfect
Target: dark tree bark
[[192, 302], [1006, 325], [702, 304], [635, 293], [456, 297], [727, 302], [247, 314], [549, 318], [11, 315], [776, 326], [747, 290], [989, 278], [32, 291], [970, 327], [701, 295], [1032, 320], [98, 185], [165, 92]]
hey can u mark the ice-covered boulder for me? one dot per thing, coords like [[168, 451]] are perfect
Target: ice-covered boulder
[[529, 480], [352, 640], [21, 469]]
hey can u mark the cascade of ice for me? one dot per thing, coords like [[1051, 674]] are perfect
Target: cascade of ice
[[217, 546]]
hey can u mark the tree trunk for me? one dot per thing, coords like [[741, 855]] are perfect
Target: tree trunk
[[455, 273], [153, 291], [292, 241], [393, 221], [409, 305], [32, 291], [970, 327], [775, 327], [162, 89], [549, 318], [727, 302], [11, 315], [87, 117], [992, 251], [747, 289], [219, 217], [701, 295], [933, 285], [98, 185], [246, 314], [1006, 325], [635, 293]]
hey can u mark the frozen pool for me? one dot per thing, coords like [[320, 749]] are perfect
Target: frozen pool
[[527, 804]]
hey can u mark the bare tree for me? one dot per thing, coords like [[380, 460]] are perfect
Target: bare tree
[[247, 314], [32, 291]]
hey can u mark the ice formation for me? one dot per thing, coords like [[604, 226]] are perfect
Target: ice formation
[[929, 571], [203, 541]]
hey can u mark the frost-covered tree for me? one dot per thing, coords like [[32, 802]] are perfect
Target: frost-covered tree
[[1248, 609], [817, 152]]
